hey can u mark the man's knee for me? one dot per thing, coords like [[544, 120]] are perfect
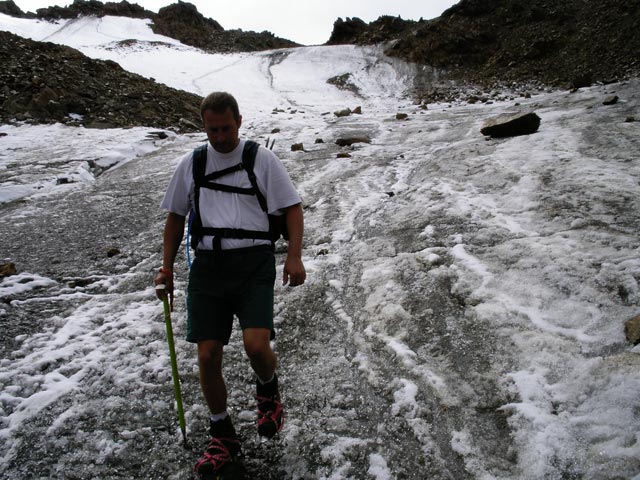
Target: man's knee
[[257, 343], [210, 355]]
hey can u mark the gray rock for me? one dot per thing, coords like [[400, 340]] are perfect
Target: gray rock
[[297, 147], [511, 125], [612, 100], [632, 330]]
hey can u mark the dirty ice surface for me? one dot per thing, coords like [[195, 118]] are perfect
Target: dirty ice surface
[[464, 309]]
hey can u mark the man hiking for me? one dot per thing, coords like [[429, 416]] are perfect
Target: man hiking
[[234, 268]]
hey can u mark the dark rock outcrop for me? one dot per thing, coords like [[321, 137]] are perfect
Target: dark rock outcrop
[[183, 22], [92, 7], [356, 31], [348, 141], [347, 31], [42, 82], [10, 8]]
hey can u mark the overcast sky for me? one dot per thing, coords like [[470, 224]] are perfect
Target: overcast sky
[[309, 22]]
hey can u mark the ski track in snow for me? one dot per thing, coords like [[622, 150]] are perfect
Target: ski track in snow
[[463, 312]]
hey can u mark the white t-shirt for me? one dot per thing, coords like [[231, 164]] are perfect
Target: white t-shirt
[[232, 210]]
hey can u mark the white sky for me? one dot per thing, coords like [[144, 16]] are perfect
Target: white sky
[[309, 22]]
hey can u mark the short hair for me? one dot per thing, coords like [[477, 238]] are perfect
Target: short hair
[[218, 102]]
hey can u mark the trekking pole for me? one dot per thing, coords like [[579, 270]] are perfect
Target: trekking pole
[[174, 365]]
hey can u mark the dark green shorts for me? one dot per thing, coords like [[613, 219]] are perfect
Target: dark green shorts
[[224, 284]]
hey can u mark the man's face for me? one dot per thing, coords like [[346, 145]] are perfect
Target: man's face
[[222, 130]]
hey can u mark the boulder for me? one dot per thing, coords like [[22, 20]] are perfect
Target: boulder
[[632, 330], [343, 113], [7, 269], [343, 155], [297, 147], [401, 116], [612, 100], [348, 141], [511, 125]]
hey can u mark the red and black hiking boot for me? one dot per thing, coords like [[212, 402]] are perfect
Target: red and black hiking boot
[[222, 453], [270, 409]]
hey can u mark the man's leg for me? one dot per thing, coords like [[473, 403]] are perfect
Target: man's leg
[[211, 380], [258, 347], [264, 361], [224, 444]]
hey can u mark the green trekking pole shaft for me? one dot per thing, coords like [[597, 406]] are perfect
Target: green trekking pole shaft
[[174, 368]]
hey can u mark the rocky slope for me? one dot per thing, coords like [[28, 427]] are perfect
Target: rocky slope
[[43, 82], [574, 42]]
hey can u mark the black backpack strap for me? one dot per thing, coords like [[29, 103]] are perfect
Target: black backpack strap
[[222, 173], [199, 164], [249, 154], [236, 233]]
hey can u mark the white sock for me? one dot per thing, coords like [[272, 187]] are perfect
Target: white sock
[[219, 416], [268, 381]]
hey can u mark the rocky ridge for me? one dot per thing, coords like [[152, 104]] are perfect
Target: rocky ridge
[[568, 44], [181, 21]]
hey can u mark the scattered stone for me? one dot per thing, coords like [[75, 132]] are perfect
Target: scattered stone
[[511, 125], [159, 135], [357, 110], [629, 119], [401, 116], [319, 140], [632, 330], [391, 194], [275, 130], [348, 141], [612, 100], [343, 155], [7, 269], [113, 251], [343, 113], [3, 134], [343, 82], [63, 181], [297, 147]]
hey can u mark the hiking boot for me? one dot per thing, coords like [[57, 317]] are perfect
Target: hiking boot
[[222, 451], [270, 409]]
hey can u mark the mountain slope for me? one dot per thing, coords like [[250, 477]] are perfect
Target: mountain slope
[[180, 21], [559, 43], [44, 82]]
